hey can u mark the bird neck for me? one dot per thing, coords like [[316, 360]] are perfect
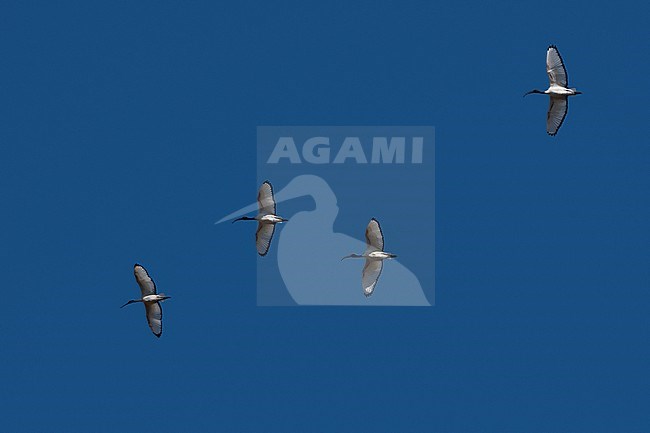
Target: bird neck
[[244, 218], [534, 91], [132, 301]]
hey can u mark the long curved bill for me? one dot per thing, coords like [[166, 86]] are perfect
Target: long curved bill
[[238, 213], [297, 187]]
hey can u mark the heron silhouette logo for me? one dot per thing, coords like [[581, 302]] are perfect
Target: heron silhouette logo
[[329, 206]]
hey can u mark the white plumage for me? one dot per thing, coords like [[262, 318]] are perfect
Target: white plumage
[[374, 255], [558, 90], [266, 218], [150, 298]]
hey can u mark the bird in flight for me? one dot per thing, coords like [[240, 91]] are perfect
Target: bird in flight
[[558, 90], [266, 218], [150, 298], [374, 255]]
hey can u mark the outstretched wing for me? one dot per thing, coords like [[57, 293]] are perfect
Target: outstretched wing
[[154, 317], [263, 237], [555, 67], [374, 237], [370, 276], [147, 286], [265, 200], [557, 110]]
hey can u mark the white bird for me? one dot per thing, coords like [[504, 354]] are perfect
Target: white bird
[[557, 90], [313, 275], [150, 299], [374, 255], [266, 218]]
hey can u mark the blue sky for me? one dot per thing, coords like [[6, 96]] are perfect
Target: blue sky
[[333, 204], [127, 130]]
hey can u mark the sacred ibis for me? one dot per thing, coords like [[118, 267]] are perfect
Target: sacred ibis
[[150, 299], [558, 91], [266, 218], [306, 246], [374, 255]]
